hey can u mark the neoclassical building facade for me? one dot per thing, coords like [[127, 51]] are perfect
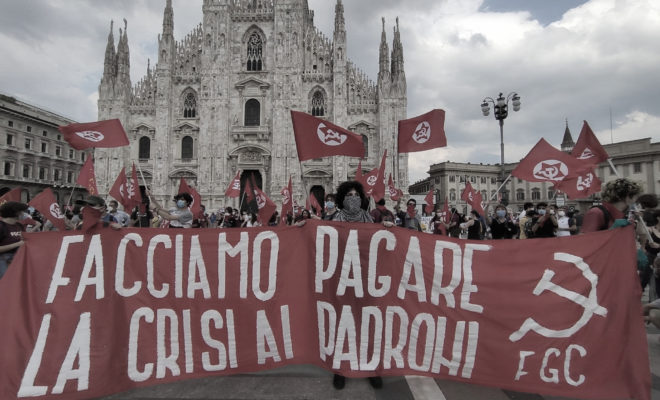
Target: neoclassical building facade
[[219, 101]]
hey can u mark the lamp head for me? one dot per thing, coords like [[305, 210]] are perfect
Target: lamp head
[[485, 109], [515, 102]]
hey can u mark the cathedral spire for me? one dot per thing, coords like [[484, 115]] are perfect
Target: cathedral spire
[[397, 51], [384, 55], [109, 70], [168, 19], [567, 144], [340, 24]]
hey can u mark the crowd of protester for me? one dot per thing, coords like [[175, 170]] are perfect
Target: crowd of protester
[[621, 205]]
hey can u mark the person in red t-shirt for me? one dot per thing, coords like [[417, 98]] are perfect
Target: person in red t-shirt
[[618, 196]]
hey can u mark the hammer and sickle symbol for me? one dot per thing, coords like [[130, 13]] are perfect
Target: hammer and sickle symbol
[[590, 303]]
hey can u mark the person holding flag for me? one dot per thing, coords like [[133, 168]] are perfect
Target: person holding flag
[[180, 216]]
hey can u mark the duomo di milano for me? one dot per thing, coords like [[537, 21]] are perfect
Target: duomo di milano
[[219, 101]]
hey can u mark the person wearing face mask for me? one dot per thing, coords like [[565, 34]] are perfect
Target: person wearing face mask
[[409, 218], [352, 203], [330, 207], [11, 232], [180, 216], [618, 196], [565, 225], [546, 223], [501, 225]]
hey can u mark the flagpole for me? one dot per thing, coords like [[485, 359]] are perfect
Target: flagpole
[[68, 203], [500, 188], [609, 160], [142, 176]]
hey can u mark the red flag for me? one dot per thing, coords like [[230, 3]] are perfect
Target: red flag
[[133, 191], [265, 205], [107, 133], [314, 204], [430, 201], [421, 133], [118, 190], [395, 194], [46, 204], [446, 214], [588, 148], [379, 187], [287, 204], [12, 195], [196, 206], [234, 188], [86, 178], [546, 163], [316, 138], [90, 216], [369, 181], [473, 198], [580, 185]]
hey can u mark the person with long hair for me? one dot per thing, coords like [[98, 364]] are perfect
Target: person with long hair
[[353, 204]]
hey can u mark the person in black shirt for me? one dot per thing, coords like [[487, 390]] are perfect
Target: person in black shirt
[[546, 222], [501, 225]]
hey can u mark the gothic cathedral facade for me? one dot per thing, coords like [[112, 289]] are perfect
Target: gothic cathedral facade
[[218, 101]]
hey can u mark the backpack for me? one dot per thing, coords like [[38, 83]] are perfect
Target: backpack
[[529, 224], [607, 216]]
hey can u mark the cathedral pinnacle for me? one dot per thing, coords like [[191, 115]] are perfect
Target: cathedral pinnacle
[[567, 143]]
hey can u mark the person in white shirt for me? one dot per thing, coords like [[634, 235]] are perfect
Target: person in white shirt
[[565, 224], [122, 217]]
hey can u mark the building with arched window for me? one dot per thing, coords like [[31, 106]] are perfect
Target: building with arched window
[[218, 100]]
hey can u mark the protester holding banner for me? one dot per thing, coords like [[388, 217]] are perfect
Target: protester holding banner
[[617, 196], [11, 230], [179, 217], [353, 205]]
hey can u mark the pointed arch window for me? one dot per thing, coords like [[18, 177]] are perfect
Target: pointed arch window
[[318, 104], [252, 113], [187, 148], [144, 152], [190, 106], [254, 52]]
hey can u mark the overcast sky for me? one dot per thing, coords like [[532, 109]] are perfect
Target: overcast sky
[[569, 60]]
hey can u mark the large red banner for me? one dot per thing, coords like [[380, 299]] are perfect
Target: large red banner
[[86, 315]]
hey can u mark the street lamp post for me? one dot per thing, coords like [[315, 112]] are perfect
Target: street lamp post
[[501, 106]]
